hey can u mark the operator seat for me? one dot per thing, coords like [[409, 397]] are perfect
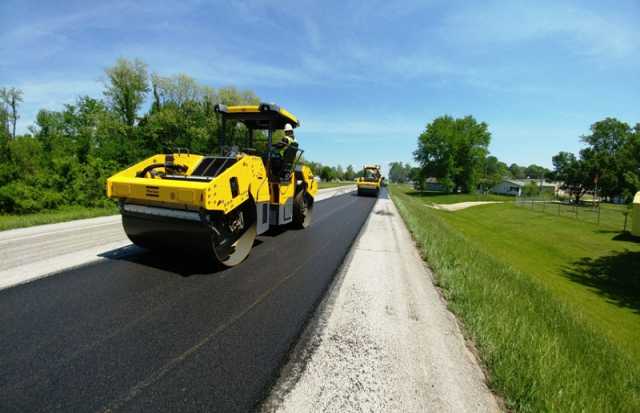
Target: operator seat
[[288, 159], [281, 164]]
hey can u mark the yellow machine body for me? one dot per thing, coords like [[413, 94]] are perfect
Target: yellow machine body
[[371, 181], [216, 203], [214, 195]]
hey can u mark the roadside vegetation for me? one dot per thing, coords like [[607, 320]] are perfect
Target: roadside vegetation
[[58, 170], [551, 303], [64, 161], [453, 156]]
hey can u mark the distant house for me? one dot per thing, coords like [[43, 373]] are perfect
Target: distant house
[[431, 185], [515, 186]]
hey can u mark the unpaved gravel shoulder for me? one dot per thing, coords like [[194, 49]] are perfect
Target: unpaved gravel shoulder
[[383, 339]]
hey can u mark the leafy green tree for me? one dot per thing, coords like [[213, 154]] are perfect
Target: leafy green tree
[[177, 89], [536, 171], [531, 189], [127, 86], [71, 152], [230, 95], [575, 174], [349, 173], [493, 172], [606, 154], [415, 174], [316, 167], [5, 130], [397, 172], [11, 98], [630, 163], [453, 150], [517, 171], [5, 135], [327, 174]]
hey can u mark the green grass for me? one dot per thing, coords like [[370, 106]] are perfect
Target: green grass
[[51, 217], [323, 185], [611, 216], [552, 303]]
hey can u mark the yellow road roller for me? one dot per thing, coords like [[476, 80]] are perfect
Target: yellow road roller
[[215, 206], [370, 181]]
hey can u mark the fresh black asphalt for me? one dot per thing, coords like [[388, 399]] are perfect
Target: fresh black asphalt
[[148, 332]]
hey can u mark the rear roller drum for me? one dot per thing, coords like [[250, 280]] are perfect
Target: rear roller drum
[[302, 210], [240, 233]]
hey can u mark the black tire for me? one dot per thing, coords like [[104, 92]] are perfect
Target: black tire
[[302, 210]]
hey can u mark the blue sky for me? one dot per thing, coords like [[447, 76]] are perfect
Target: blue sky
[[364, 77]]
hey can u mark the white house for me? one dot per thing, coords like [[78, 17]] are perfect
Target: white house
[[515, 186]]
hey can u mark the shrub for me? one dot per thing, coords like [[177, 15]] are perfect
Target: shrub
[[19, 198]]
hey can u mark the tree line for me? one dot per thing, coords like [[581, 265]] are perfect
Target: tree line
[[329, 173], [455, 152], [491, 172], [608, 166], [68, 154]]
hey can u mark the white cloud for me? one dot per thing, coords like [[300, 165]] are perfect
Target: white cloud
[[580, 31]]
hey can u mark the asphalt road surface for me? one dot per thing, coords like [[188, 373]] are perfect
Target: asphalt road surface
[[147, 332]]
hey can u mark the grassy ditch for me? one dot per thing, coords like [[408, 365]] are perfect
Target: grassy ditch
[[51, 217], [542, 352]]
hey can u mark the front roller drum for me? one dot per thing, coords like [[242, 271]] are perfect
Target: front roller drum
[[167, 234], [213, 241]]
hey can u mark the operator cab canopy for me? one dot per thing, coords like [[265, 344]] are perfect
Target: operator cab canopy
[[371, 171], [266, 116]]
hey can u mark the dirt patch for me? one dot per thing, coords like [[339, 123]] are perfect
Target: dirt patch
[[461, 205]]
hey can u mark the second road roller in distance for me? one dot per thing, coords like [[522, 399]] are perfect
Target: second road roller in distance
[[371, 180], [215, 206]]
